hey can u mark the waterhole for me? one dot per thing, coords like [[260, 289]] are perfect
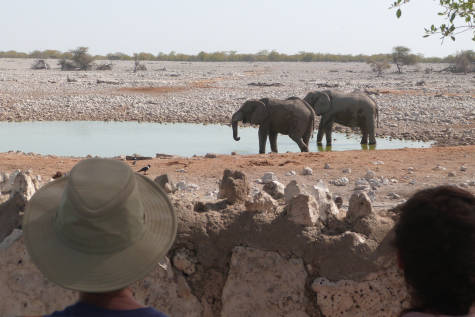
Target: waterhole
[[107, 139]]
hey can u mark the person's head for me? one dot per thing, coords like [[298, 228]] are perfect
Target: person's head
[[100, 228], [435, 240]]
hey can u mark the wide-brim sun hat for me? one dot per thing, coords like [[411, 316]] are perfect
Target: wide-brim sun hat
[[100, 228]]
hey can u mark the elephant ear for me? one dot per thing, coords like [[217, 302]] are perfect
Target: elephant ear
[[258, 111], [310, 98], [322, 104]]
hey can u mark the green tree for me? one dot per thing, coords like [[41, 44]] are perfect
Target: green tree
[[401, 56], [81, 58], [451, 9]]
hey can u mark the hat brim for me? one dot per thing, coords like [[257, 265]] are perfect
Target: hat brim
[[87, 272]]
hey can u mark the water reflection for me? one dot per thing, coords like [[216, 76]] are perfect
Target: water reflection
[[368, 146], [321, 148]]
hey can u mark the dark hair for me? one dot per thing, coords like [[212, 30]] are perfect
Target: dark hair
[[435, 238]]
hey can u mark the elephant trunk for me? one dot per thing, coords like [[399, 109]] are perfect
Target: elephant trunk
[[235, 131], [234, 121]]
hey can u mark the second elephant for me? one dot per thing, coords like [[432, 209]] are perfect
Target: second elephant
[[354, 109], [293, 117]]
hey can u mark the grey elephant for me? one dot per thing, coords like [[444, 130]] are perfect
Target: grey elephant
[[354, 109], [293, 117]]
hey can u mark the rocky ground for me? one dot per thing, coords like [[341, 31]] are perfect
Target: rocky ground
[[420, 104], [314, 255]]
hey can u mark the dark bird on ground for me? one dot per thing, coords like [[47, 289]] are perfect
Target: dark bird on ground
[[58, 174], [144, 169]]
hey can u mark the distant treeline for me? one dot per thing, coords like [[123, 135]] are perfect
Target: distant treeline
[[229, 56]]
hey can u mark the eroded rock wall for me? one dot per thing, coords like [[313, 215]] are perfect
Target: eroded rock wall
[[248, 258]]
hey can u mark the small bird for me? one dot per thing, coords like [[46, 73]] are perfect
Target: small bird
[[144, 169]]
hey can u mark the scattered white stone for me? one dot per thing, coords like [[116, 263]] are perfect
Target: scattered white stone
[[394, 181], [471, 183], [307, 171], [410, 169], [385, 181], [347, 170], [393, 195], [192, 187], [452, 174], [341, 181], [374, 183], [291, 173], [463, 185], [181, 170], [370, 175], [181, 185], [412, 182], [361, 184], [463, 168], [378, 163], [439, 168], [268, 177], [327, 166]]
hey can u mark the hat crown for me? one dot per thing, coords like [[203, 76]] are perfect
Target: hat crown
[[95, 183], [101, 210]]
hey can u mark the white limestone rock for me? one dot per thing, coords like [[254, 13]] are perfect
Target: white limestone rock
[[303, 210], [263, 283], [359, 206], [261, 202], [381, 294], [291, 190]]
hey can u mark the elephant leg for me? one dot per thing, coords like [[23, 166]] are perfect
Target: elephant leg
[[364, 132], [262, 139], [298, 139], [371, 132], [320, 131], [306, 138], [273, 141], [328, 133]]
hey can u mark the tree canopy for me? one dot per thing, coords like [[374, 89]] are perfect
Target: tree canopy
[[450, 9]]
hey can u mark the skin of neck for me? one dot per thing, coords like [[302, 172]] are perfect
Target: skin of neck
[[122, 299]]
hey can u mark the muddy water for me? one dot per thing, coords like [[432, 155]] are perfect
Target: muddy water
[[80, 138]]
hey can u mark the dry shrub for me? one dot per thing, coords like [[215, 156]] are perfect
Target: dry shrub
[[40, 64], [379, 66], [465, 62]]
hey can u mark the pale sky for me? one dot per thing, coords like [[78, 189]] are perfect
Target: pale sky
[[245, 26]]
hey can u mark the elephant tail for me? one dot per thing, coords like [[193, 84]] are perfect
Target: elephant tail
[[377, 116], [313, 115]]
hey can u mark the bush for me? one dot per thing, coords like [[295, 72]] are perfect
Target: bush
[[464, 62], [379, 66], [81, 58], [40, 64], [67, 65]]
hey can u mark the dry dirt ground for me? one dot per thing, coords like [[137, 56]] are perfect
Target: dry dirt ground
[[408, 169]]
